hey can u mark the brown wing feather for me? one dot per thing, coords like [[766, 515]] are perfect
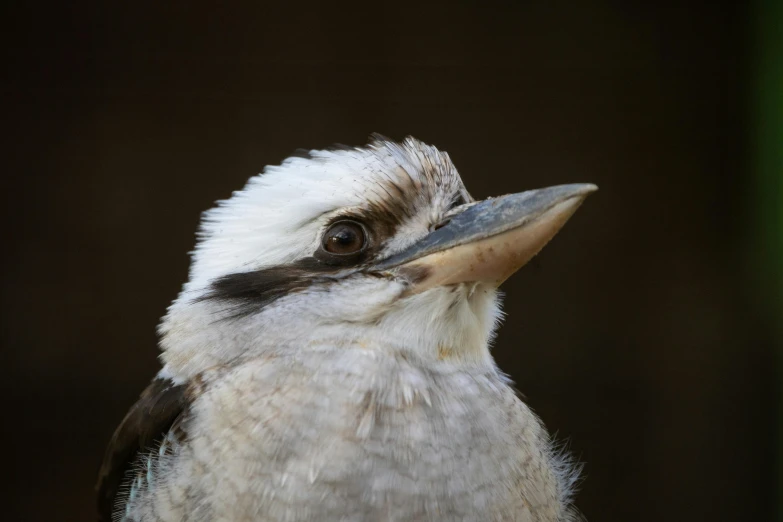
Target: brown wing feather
[[145, 424]]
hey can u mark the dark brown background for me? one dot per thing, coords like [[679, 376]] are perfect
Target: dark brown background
[[638, 335]]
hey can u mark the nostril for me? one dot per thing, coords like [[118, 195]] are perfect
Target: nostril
[[441, 224]]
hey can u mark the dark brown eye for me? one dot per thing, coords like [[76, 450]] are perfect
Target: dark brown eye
[[344, 238]]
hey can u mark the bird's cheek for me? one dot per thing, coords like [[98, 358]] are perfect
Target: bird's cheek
[[361, 300]]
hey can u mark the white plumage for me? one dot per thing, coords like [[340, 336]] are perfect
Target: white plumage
[[346, 396]]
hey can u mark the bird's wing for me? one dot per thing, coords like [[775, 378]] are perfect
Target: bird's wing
[[146, 424]]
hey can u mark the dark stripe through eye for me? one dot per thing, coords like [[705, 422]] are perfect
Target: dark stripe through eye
[[246, 293]]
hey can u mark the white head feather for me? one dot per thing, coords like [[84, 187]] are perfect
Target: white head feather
[[280, 217]]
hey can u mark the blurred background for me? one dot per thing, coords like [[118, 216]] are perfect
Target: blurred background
[[646, 335]]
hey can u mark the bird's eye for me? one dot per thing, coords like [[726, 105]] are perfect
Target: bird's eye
[[344, 238]]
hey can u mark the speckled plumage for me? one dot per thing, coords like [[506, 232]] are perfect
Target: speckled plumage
[[350, 399]]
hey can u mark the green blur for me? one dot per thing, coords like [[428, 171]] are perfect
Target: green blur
[[767, 143]]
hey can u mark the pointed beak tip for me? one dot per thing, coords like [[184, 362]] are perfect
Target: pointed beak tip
[[577, 189], [590, 188], [561, 198]]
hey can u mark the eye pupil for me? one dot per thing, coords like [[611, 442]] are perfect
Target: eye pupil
[[345, 237]]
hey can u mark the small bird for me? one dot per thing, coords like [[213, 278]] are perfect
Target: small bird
[[328, 358]]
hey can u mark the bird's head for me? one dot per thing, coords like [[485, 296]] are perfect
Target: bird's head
[[380, 247]]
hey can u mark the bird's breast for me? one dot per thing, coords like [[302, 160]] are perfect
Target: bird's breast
[[311, 435]]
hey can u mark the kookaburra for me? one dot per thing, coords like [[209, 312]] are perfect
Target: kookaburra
[[328, 358]]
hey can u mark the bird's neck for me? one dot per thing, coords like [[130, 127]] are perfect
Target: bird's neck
[[194, 338]]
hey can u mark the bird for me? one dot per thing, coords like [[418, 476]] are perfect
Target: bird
[[329, 356]]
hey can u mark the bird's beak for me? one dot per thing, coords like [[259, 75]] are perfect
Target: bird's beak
[[489, 240]]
